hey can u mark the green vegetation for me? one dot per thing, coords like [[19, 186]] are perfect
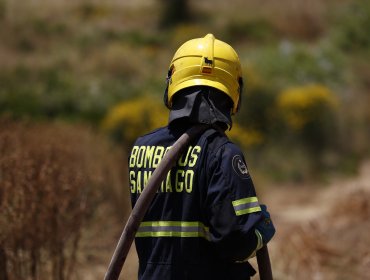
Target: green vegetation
[[350, 31], [78, 61]]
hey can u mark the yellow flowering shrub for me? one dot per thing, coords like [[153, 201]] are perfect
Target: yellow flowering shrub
[[245, 137], [309, 115], [133, 118], [304, 105]]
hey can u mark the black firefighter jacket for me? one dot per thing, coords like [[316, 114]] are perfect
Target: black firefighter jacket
[[201, 224]]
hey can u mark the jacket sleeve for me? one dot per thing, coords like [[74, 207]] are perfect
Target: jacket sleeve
[[232, 205]]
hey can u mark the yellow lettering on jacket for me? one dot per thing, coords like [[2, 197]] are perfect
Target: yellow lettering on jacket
[[194, 156], [144, 159], [158, 154]]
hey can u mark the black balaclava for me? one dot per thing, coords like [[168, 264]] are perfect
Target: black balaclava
[[202, 104]]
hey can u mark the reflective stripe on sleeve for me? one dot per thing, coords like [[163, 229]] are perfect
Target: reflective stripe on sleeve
[[173, 229], [246, 205]]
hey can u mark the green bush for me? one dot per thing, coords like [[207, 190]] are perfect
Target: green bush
[[257, 104], [257, 111], [2, 9], [352, 25], [54, 92], [292, 63], [90, 11], [174, 12], [254, 30]]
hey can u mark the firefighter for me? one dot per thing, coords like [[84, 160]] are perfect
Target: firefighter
[[205, 221]]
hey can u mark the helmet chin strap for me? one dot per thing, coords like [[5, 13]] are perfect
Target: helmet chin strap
[[241, 85], [168, 81]]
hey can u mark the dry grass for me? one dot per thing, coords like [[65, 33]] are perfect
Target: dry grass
[[326, 235], [52, 177]]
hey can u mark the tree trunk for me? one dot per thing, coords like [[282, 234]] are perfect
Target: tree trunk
[[174, 12], [3, 265]]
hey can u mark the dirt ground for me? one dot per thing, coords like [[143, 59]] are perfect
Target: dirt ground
[[322, 233]]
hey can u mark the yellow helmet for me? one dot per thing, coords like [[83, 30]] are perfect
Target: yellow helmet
[[205, 62]]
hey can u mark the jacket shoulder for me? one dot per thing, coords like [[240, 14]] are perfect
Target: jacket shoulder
[[218, 141], [152, 135]]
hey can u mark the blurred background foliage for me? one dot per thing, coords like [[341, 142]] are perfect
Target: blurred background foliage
[[102, 65], [82, 61]]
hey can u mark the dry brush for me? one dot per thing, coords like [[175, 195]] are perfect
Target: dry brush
[[51, 180]]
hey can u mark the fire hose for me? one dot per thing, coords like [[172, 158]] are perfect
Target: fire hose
[[145, 199]]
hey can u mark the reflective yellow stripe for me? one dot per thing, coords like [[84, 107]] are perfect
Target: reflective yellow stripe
[[246, 205], [171, 223], [172, 229], [169, 234], [245, 200], [259, 240], [248, 211]]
